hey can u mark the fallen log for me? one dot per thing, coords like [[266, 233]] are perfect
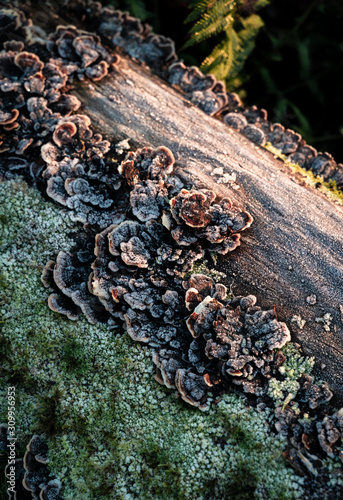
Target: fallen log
[[291, 257]]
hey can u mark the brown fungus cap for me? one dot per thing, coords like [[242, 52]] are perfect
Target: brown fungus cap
[[199, 218], [29, 63], [147, 163], [64, 132]]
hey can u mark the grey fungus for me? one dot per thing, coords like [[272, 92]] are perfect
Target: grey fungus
[[32, 479], [330, 432], [286, 140], [135, 38], [147, 199], [238, 335], [68, 278], [29, 63], [98, 71], [192, 388], [303, 155], [58, 303], [235, 120], [8, 118], [314, 394], [255, 134], [147, 163], [167, 364], [34, 82], [324, 165], [35, 460], [83, 50], [51, 490], [202, 90]]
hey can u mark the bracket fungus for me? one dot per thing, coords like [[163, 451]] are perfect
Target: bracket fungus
[[204, 91], [135, 37], [35, 78], [82, 50], [198, 217]]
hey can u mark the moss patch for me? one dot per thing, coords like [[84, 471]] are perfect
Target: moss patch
[[113, 432], [315, 181]]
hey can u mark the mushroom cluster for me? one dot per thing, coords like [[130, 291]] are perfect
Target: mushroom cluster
[[311, 435], [199, 218], [135, 37], [236, 336], [253, 123], [204, 91], [32, 477], [203, 342], [81, 52], [35, 78], [152, 230], [81, 175]]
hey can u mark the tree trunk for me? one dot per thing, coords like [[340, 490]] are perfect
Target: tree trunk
[[292, 251]]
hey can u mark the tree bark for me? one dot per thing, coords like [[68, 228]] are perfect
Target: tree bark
[[294, 247]]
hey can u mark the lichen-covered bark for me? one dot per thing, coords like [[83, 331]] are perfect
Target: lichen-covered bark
[[294, 248]]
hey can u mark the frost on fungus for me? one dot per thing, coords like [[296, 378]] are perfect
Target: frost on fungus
[[203, 342], [204, 91], [36, 76]]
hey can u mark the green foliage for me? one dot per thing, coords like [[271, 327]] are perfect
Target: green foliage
[[237, 35], [295, 365], [215, 18]]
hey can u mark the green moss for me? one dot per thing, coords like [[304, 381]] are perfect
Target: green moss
[[113, 432], [295, 365], [316, 181]]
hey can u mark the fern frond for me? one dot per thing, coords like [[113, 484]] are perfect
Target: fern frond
[[237, 35], [199, 7], [216, 20], [216, 59], [221, 62], [246, 36], [219, 11]]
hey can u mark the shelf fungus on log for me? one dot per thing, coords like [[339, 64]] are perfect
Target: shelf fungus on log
[[135, 37], [202, 90], [198, 218], [158, 52], [36, 76], [81, 175], [68, 279], [81, 51]]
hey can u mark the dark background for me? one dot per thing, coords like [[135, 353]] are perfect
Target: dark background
[[295, 71]]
